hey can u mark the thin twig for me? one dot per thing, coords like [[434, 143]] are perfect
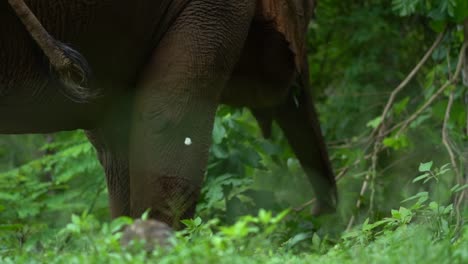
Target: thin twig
[[460, 200], [369, 178], [408, 78], [350, 223], [373, 174], [303, 206], [359, 201], [445, 141], [445, 136]]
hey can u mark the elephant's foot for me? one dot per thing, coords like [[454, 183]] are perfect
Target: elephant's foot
[[151, 232], [179, 201], [323, 208], [326, 200], [169, 200]]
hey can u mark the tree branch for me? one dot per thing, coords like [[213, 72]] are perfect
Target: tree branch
[[461, 58]]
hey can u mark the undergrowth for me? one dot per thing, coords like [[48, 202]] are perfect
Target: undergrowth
[[420, 231]]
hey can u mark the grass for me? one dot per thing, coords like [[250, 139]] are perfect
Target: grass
[[250, 240]]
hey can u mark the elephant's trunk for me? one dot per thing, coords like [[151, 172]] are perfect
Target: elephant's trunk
[[69, 65]]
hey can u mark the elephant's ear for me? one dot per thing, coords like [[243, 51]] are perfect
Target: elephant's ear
[[290, 18]]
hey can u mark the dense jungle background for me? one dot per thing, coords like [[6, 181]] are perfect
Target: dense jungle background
[[390, 79]]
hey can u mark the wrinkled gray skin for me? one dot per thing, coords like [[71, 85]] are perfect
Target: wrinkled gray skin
[[162, 67]]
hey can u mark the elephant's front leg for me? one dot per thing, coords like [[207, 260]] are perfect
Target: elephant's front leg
[[175, 106]]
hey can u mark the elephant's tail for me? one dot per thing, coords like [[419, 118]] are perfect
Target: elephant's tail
[[70, 67]]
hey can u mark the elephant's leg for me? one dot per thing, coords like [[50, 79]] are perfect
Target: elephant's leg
[[175, 104], [111, 142], [299, 121]]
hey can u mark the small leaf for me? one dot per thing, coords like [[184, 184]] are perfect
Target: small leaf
[[197, 221], [219, 132], [145, 215], [448, 209], [454, 188], [399, 107], [396, 142], [406, 215], [421, 177], [75, 219], [298, 238], [396, 214], [264, 216], [119, 223], [423, 167], [316, 241], [459, 188], [434, 206], [374, 123], [280, 216], [423, 196], [187, 222], [418, 121]]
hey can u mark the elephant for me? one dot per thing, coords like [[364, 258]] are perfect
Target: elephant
[[144, 78]]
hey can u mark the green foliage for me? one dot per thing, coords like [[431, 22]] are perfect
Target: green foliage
[[399, 238], [450, 10], [46, 188], [241, 168], [438, 219]]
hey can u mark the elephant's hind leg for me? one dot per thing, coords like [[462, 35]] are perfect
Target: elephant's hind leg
[[299, 121], [111, 142], [175, 104]]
